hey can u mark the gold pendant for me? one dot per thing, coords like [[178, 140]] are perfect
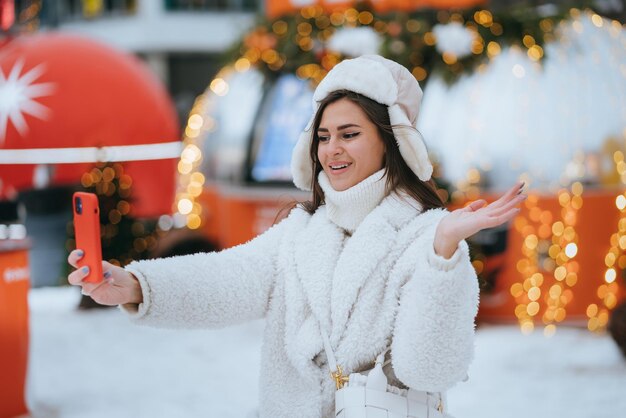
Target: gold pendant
[[339, 378]]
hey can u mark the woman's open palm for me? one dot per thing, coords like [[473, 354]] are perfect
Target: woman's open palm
[[463, 223]]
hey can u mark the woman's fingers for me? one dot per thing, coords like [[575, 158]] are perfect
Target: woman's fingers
[[510, 194], [506, 216], [474, 206], [493, 221], [117, 286], [74, 256], [89, 288], [76, 277], [507, 206], [107, 267]]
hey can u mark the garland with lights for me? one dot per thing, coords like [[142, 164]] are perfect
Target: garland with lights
[[302, 43], [548, 266], [191, 180], [614, 259]]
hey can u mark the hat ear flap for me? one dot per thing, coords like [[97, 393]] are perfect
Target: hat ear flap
[[301, 164], [411, 143]]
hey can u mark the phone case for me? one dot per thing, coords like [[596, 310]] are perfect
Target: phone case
[[87, 231]]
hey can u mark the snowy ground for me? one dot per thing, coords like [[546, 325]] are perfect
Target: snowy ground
[[97, 364]]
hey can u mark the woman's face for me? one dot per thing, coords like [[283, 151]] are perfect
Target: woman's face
[[350, 148]]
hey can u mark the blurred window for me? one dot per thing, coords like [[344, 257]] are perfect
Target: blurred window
[[229, 120], [55, 12], [284, 114], [211, 5]]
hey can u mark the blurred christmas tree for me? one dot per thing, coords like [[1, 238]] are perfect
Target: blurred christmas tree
[[124, 238]]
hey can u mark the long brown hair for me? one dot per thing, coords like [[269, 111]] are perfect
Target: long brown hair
[[399, 175]]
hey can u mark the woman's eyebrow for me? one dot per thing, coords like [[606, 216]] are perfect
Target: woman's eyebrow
[[339, 128]]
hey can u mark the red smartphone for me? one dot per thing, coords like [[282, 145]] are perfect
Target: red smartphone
[[87, 232]]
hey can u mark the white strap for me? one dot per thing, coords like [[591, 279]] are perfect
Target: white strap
[[332, 362], [330, 356]]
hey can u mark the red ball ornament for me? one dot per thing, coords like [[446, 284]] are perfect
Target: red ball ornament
[[66, 92]]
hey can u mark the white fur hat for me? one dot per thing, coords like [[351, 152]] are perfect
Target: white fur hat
[[385, 82]]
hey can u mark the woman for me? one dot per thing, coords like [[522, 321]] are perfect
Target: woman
[[373, 260]]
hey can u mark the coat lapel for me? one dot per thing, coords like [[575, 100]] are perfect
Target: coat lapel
[[310, 258], [317, 250], [324, 275], [358, 263], [363, 252]]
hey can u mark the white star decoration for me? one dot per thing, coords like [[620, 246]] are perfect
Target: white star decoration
[[16, 98]]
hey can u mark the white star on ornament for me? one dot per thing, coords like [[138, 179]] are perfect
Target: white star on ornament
[[16, 98]]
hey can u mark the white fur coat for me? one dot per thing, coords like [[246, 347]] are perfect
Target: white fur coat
[[382, 286]]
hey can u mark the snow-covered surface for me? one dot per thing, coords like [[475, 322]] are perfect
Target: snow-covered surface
[[97, 364]]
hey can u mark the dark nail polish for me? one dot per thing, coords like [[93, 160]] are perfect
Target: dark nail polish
[[85, 269], [107, 274]]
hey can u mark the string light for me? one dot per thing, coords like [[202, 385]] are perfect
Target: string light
[[493, 49], [351, 15], [219, 87], [548, 266], [496, 29], [419, 73], [191, 180], [429, 39], [337, 19], [280, 27], [365, 18], [484, 18], [614, 260]]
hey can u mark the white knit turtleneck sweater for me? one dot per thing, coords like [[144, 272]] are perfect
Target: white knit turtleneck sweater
[[348, 208]]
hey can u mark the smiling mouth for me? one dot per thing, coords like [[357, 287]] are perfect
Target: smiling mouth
[[339, 167]]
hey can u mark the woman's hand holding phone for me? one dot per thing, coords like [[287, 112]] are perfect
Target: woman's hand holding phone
[[118, 287], [106, 283]]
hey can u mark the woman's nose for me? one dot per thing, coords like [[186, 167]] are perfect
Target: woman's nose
[[334, 146]]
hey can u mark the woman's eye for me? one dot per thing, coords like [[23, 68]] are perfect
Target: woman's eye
[[323, 138], [351, 135]]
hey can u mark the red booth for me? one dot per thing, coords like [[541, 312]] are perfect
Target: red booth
[[14, 285]]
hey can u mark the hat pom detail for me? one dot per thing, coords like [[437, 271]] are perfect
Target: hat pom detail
[[410, 143], [301, 164]]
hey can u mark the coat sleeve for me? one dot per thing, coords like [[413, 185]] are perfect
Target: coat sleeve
[[433, 338], [208, 290]]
